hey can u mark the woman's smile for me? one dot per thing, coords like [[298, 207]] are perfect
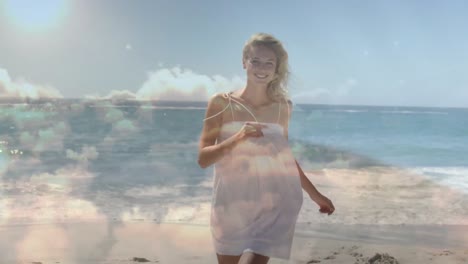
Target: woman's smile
[[261, 76]]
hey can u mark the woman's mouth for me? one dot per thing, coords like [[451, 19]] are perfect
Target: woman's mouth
[[260, 76]]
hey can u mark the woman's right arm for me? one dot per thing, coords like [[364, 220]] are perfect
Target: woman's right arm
[[208, 151]]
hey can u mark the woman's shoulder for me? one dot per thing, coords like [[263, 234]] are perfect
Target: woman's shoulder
[[286, 107], [286, 101], [219, 99], [219, 102]]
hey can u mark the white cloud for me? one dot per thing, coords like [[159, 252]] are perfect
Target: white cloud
[[92, 97], [87, 153], [345, 88], [24, 89], [46, 137], [48, 197], [51, 138], [113, 115], [124, 126], [326, 95], [114, 96], [184, 85], [313, 94], [121, 95], [175, 84]]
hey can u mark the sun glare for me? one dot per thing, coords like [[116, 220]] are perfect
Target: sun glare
[[33, 15]]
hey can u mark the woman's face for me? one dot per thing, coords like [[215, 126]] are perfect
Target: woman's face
[[260, 65]]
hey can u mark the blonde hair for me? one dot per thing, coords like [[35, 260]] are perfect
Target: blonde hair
[[277, 88]]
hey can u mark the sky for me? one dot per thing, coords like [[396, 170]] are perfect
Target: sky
[[390, 53]]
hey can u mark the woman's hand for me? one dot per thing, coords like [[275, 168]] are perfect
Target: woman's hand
[[326, 205], [250, 129]]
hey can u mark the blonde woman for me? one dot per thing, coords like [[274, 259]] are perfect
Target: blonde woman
[[258, 184]]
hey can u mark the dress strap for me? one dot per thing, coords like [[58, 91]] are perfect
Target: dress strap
[[222, 111], [230, 98], [230, 105], [279, 112]]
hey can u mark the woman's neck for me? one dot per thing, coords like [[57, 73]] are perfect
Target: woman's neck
[[256, 96]]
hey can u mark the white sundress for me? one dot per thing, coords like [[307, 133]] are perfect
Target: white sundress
[[257, 194]]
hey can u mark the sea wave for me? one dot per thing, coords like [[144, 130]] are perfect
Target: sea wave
[[455, 177], [317, 156], [408, 112], [349, 111]]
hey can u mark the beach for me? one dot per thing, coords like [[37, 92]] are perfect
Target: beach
[[104, 183], [177, 243], [371, 225]]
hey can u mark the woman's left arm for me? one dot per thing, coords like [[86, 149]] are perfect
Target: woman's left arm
[[325, 204]]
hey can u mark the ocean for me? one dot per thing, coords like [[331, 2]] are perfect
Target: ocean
[[85, 160]]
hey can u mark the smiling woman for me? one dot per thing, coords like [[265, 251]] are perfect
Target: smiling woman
[[35, 16]]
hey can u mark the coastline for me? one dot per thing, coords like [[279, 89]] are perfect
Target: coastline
[[381, 212]]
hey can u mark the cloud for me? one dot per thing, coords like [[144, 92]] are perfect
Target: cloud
[[24, 89], [120, 123], [48, 138], [345, 88], [184, 85], [308, 96], [87, 153], [113, 115], [121, 95], [114, 96], [52, 138], [338, 94], [125, 126], [175, 84], [49, 196]]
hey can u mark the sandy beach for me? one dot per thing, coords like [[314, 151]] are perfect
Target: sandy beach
[[177, 243], [383, 215]]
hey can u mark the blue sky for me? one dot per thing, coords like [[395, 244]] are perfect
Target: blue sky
[[408, 53]]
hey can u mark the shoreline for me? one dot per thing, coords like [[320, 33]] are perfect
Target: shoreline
[[381, 212]]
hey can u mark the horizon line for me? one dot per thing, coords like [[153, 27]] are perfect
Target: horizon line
[[118, 101]]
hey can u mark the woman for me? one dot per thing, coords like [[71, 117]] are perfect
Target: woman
[[257, 192]]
